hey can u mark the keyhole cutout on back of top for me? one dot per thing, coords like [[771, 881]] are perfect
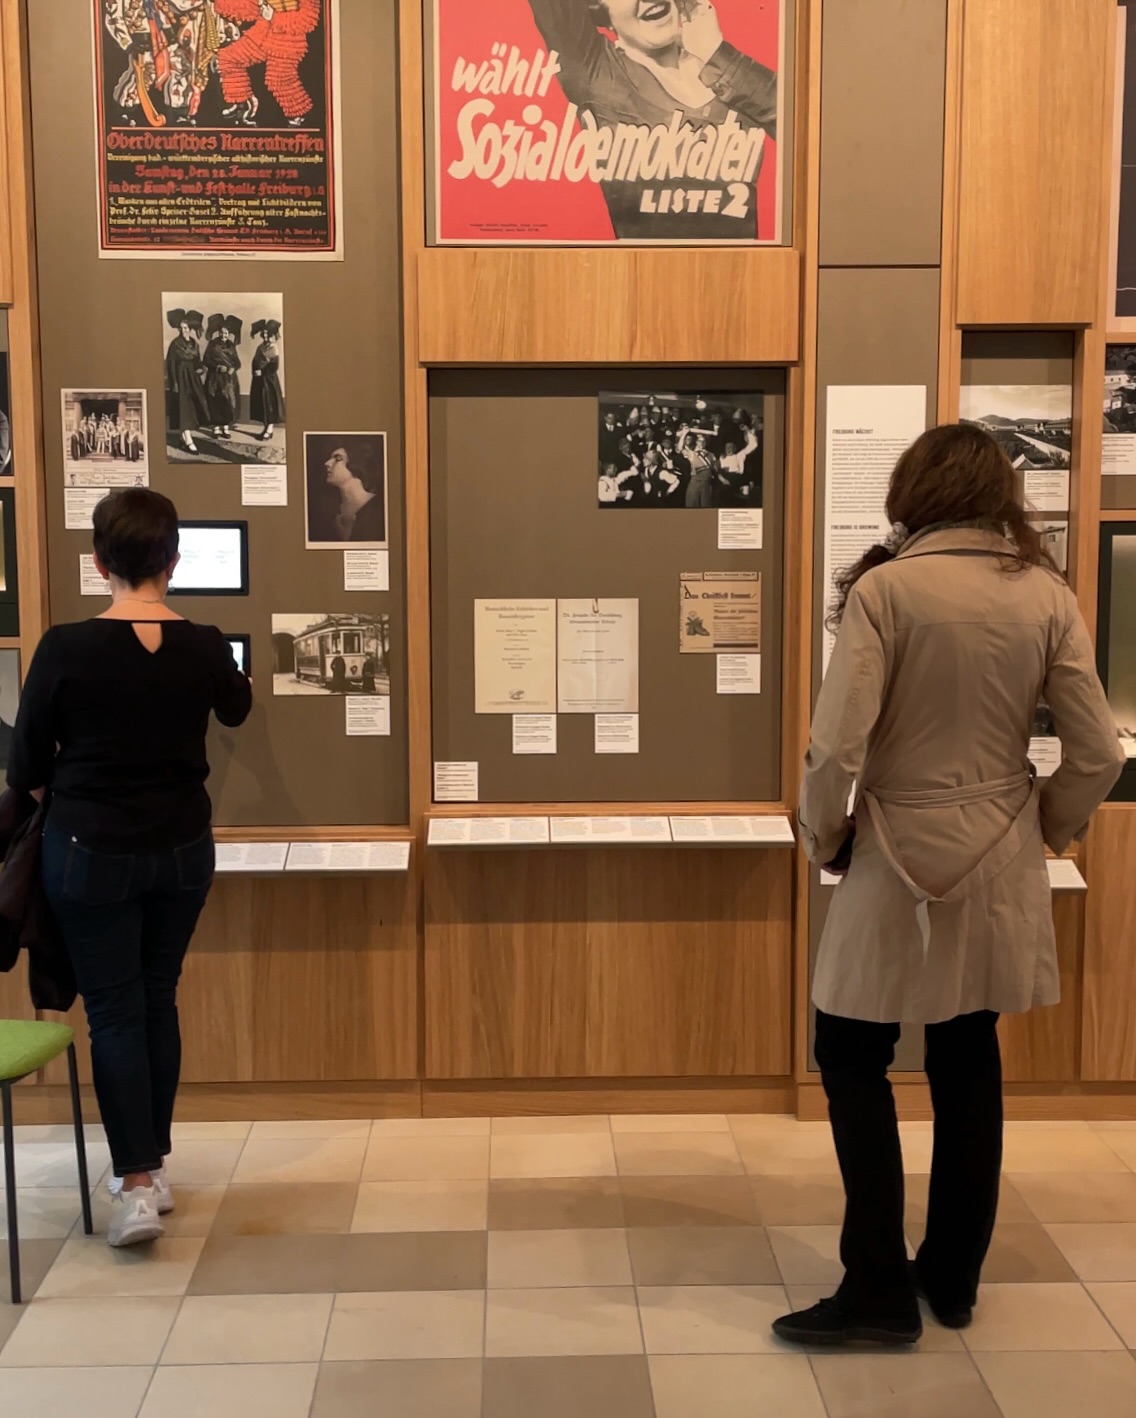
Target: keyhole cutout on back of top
[[149, 634]]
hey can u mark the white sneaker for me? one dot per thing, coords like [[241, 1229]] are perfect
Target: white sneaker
[[134, 1218], [163, 1193]]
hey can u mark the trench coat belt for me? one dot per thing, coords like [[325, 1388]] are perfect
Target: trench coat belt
[[999, 856]]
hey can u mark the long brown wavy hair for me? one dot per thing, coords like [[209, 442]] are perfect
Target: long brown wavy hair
[[952, 476]]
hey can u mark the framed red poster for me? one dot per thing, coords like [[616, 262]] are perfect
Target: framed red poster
[[588, 122]]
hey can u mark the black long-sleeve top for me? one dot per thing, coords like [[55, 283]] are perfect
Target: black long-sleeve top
[[118, 732]]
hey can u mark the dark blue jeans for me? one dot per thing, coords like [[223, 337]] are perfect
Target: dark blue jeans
[[128, 921]]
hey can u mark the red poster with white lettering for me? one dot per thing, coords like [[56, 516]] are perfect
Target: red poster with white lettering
[[567, 122]]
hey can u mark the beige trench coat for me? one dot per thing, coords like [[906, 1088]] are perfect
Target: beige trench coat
[[927, 708]]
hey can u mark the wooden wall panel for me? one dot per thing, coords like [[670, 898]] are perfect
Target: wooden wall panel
[[1032, 199], [584, 306], [304, 979], [1044, 1045], [1108, 1050], [608, 964]]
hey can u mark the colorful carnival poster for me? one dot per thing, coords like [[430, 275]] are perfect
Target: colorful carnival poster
[[217, 127], [595, 121]]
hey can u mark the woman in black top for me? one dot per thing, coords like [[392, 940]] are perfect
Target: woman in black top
[[112, 723]]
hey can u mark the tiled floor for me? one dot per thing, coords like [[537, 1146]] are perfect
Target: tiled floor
[[552, 1268]]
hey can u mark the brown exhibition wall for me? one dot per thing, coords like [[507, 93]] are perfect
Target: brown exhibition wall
[[514, 514], [102, 327], [882, 96], [874, 326]]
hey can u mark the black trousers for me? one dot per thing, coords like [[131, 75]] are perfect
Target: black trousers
[[964, 1069]]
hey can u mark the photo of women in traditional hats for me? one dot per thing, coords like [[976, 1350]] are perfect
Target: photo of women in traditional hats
[[222, 366], [225, 400]]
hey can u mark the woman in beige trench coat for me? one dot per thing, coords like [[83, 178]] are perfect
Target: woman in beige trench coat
[[949, 636]]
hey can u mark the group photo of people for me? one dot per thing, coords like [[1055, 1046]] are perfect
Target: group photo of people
[[224, 368], [104, 437], [681, 450]]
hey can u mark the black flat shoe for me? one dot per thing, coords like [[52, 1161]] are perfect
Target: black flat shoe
[[949, 1316], [829, 1324]]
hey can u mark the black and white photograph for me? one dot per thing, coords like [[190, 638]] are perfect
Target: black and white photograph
[[1120, 389], [9, 699], [224, 377], [346, 491], [1034, 424], [105, 439], [681, 450], [5, 404], [1054, 534], [340, 654]]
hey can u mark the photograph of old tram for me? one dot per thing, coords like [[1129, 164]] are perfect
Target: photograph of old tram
[[331, 654]]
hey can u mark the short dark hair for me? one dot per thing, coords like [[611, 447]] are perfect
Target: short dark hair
[[365, 459], [136, 534]]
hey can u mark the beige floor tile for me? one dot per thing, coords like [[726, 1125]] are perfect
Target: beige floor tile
[[44, 1213], [90, 1333], [1011, 1206], [917, 1143], [581, 1320], [421, 1206], [10, 1317], [1037, 1317], [770, 1125], [553, 1155], [393, 1388], [249, 1329], [1061, 1385], [1059, 1150], [194, 1213], [804, 1151], [88, 1269], [1118, 1301], [411, 1260], [1069, 1196], [669, 1122], [427, 1158], [430, 1127], [936, 1339], [1105, 1251], [63, 1393], [554, 1259], [345, 1130], [711, 1319], [688, 1201], [554, 1203], [677, 1154], [208, 1163], [1021, 1253], [286, 1209], [232, 1391], [799, 1201], [268, 1265], [36, 1261], [209, 1132], [902, 1386], [587, 1386], [1044, 1125], [60, 1133], [1122, 1143], [301, 1159], [807, 1255], [702, 1255], [440, 1324], [542, 1127], [734, 1386], [54, 1164]]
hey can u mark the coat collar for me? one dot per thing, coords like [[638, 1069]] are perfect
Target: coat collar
[[957, 539]]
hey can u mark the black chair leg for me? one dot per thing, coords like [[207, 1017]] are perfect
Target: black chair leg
[[10, 1192], [80, 1141]]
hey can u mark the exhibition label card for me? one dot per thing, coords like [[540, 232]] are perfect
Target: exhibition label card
[[1045, 755], [366, 570], [1128, 745], [79, 504], [348, 856], [739, 674], [368, 717], [534, 733], [455, 782], [1033, 423], [264, 485], [617, 733], [719, 611], [869, 426], [90, 582], [487, 831], [598, 657], [771, 831], [514, 657], [1118, 455], [577, 830], [1064, 875], [251, 856], [740, 528]]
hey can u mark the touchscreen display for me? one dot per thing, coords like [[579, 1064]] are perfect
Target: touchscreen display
[[239, 646], [213, 559]]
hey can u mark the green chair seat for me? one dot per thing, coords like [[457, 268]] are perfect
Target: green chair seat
[[28, 1044]]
